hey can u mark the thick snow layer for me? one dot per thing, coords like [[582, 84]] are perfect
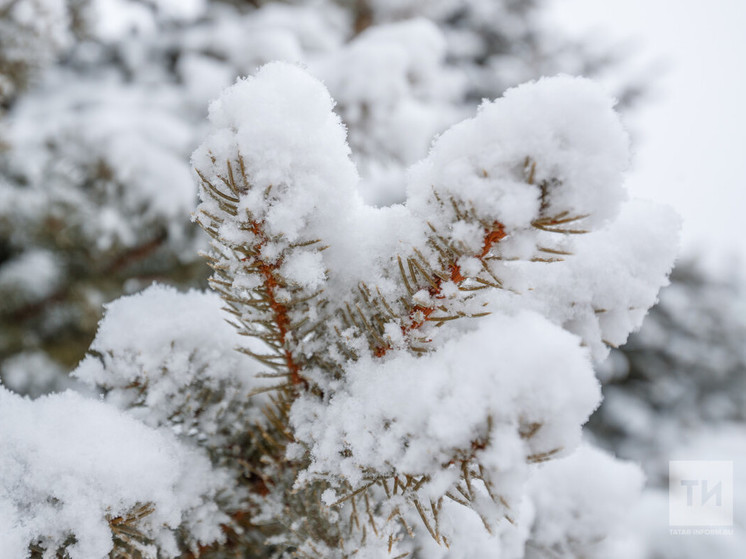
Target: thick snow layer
[[155, 351], [294, 144], [549, 154], [564, 126], [412, 415], [68, 463], [581, 503], [528, 196], [575, 506], [613, 277], [469, 540], [150, 326], [300, 181]]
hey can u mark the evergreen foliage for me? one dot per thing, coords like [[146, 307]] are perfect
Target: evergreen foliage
[[371, 400], [105, 100], [400, 381]]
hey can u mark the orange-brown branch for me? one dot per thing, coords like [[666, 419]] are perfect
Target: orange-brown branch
[[419, 314], [492, 236], [280, 311]]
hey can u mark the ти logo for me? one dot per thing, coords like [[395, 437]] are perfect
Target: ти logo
[[700, 493]]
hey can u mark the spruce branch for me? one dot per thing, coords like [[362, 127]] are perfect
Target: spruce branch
[[477, 220], [276, 307], [274, 310]]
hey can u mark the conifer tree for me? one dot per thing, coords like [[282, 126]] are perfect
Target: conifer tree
[[403, 381]]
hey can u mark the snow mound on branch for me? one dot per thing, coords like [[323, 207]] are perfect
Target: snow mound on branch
[[413, 413], [613, 277], [69, 462], [154, 350], [299, 181], [509, 191], [566, 126], [295, 146], [581, 505], [151, 326], [575, 506]]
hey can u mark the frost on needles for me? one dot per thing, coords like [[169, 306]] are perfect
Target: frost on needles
[[400, 381]]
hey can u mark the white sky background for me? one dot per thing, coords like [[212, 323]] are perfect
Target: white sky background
[[691, 134]]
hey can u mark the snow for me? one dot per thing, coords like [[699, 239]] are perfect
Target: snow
[[295, 144], [280, 125], [613, 277], [582, 503], [306, 269], [690, 132], [574, 506], [411, 414], [279, 192], [115, 19], [34, 374], [68, 463], [408, 413], [469, 539], [395, 95], [155, 348], [552, 153], [48, 18], [33, 34], [566, 126]]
